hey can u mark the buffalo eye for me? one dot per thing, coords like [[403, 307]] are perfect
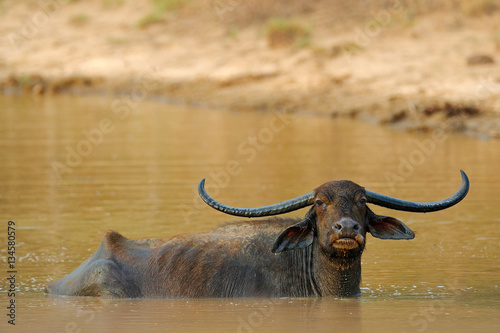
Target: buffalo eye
[[361, 202], [319, 203]]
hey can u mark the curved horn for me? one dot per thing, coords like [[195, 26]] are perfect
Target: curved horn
[[279, 208], [420, 207]]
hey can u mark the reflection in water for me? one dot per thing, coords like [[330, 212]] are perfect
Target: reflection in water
[[72, 168]]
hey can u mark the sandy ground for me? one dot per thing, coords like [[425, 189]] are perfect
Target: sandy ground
[[402, 64]]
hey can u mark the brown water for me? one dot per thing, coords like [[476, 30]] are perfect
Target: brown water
[[139, 177]]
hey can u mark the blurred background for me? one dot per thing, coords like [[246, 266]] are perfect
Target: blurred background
[[112, 111], [409, 63]]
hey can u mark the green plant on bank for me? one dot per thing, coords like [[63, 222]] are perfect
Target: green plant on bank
[[79, 19], [282, 32], [233, 33], [160, 7], [109, 4], [24, 79]]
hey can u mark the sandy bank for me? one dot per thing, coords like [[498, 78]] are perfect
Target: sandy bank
[[401, 64]]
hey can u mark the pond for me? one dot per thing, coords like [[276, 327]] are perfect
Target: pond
[[74, 167]]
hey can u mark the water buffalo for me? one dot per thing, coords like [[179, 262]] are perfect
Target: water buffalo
[[318, 255]]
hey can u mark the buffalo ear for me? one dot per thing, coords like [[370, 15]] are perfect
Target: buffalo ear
[[386, 227], [297, 236]]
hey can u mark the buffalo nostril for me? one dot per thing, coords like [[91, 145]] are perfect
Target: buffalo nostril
[[347, 226]]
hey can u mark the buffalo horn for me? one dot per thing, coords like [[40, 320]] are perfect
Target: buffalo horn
[[276, 209], [419, 207], [307, 199]]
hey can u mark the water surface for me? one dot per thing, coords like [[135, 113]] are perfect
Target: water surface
[[73, 168]]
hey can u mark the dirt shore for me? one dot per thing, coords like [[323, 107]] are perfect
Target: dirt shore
[[401, 64]]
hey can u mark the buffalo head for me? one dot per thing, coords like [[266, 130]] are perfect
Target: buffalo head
[[339, 217]]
